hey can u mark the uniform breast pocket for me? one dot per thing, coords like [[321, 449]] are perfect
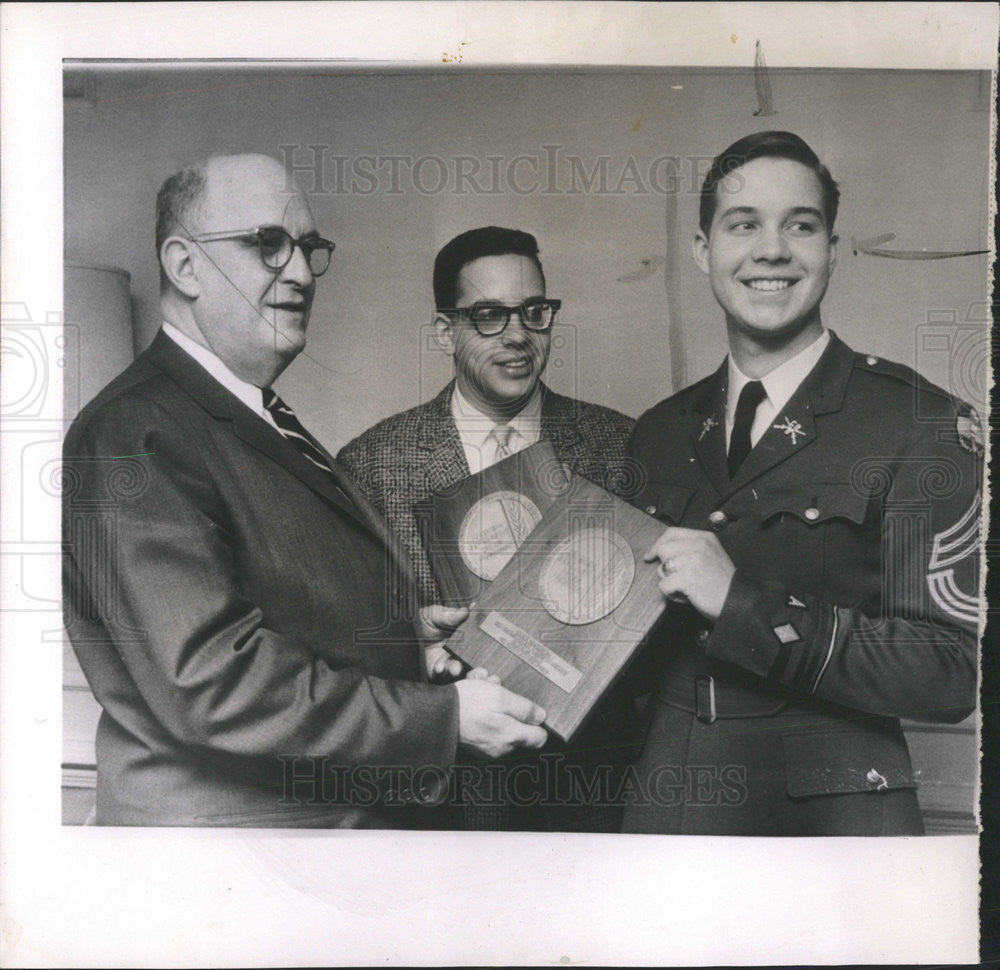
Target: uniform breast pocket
[[810, 533], [666, 501]]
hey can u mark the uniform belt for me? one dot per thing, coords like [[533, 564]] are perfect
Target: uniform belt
[[709, 698]]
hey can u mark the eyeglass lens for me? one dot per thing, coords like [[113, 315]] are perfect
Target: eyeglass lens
[[276, 247], [493, 318]]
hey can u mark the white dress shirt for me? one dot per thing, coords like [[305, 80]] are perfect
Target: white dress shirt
[[249, 394], [780, 384], [475, 429]]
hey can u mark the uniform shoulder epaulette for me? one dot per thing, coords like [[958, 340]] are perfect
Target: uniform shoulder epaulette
[[969, 427], [900, 372]]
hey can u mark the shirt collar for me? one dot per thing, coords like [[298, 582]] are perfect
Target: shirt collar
[[475, 427], [249, 394], [782, 382]]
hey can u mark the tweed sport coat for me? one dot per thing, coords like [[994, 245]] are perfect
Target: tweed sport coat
[[236, 619], [410, 455]]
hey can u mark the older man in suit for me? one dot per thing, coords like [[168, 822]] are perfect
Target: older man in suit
[[494, 319], [237, 605]]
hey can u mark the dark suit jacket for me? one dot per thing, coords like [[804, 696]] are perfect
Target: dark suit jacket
[[410, 455], [245, 627], [853, 526]]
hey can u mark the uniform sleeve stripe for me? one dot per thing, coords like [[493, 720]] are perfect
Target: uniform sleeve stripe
[[947, 594], [829, 650], [959, 541]]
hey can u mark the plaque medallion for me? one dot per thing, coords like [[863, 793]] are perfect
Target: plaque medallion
[[586, 576], [493, 529]]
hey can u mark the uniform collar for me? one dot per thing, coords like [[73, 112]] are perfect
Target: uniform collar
[[782, 382]]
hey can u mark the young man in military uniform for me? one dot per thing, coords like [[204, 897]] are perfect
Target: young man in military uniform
[[822, 544]]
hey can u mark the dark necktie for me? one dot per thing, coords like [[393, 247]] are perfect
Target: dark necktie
[[746, 410], [291, 428]]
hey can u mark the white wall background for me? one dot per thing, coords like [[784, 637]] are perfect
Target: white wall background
[[909, 149]]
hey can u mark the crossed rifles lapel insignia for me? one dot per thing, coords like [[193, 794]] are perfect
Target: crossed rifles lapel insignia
[[791, 428]]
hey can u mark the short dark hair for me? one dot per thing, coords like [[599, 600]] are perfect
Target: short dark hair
[[472, 245], [766, 144], [174, 202]]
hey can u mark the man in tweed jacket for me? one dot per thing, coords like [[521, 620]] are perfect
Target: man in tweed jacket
[[494, 319]]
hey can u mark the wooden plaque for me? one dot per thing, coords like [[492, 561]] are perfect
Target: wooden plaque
[[471, 530], [568, 612]]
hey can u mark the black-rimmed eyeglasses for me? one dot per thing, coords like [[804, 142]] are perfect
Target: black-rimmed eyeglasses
[[276, 246], [492, 318]]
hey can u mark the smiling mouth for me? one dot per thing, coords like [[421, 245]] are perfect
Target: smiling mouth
[[769, 285], [516, 363]]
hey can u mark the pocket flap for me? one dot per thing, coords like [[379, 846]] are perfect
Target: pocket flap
[[812, 504], [665, 500], [837, 762]]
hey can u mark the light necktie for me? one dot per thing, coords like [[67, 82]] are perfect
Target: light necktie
[[746, 410], [502, 434], [291, 429]]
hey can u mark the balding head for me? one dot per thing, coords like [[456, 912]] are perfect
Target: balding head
[[219, 291]]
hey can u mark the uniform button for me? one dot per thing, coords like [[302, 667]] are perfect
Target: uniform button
[[871, 361], [702, 636], [812, 514], [718, 519], [650, 510], [875, 778]]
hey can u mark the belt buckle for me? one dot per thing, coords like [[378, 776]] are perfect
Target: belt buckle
[[704, 688]]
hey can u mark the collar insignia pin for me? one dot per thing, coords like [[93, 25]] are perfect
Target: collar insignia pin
[[791, 428], [707, 426]]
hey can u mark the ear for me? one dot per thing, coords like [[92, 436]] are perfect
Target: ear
[[444, 333], [178, 265], [699, 249], [834, 239]]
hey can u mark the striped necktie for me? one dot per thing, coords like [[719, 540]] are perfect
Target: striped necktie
[[291, 428]]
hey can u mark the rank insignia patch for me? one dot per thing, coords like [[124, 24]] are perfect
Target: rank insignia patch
[[795, 601], [786, 633], [953, 549]]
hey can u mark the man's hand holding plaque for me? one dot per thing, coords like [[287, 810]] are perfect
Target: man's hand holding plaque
[[561, 609]]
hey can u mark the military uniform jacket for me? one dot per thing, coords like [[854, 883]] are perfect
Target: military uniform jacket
[[853, 525], [234, 614]]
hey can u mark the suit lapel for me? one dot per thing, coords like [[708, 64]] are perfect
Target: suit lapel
[[252, 429], [709, 431], [440, 446], [560, 424], [257, 433], [794, 427]]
